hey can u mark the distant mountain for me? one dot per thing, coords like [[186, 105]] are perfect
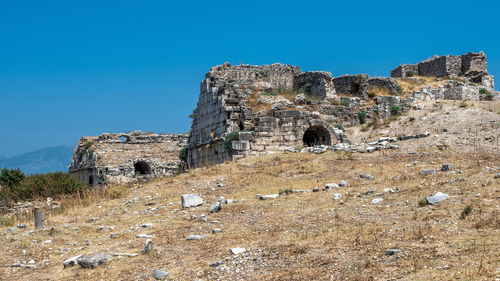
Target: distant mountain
[[45, 160]]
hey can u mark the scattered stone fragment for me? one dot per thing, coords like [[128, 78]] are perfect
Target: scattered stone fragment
[[446, 167], [343, 183], [191, 200], [145, 225], [21, 225], [366, 176], [93, 261], [236, 251], [203, 218], [220, 184], [222, 200], [216, 264], [427, 172], [216, 230], [390, 252], [377, 200], [71, 261], [337, 196], [216, 207], [196, 237], [389, 190], [330, 186], [148, 246], [124, 254], [142, 235], [497, 176], [316, 189], [113, 235], [266, 197], [436, 198], [160, 274]]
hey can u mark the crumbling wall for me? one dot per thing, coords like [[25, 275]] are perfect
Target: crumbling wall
[[120, 158], [355, 85], [471, 66], [316, 83]]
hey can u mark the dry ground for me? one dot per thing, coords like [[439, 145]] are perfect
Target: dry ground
[[300, 236]]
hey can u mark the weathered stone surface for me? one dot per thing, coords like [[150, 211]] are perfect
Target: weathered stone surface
[[267, 197], [236, 251], [366, 176], [316, 83], [343, 183], [427, 172], [191, 200], [123, 158], [71, 261], [445, 167], [330, 186], [196, 237], [93, 261], [436, 198], [216, 207], [391, 252], [160, 274], [148, 246]]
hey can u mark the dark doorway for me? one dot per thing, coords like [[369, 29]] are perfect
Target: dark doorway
[[91, 180], [142, 168], [317, 135]]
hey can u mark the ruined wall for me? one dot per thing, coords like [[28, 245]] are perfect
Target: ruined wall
[[471, 66], [247, 110], [121, 158]]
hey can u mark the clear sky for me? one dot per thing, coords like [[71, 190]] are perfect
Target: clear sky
[[73, 68]]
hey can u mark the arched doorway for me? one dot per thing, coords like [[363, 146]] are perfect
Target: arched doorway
[[317, 135], [142, 168]]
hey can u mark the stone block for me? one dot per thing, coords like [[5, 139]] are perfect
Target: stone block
[[191, 200]]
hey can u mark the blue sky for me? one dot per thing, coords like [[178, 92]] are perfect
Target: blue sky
[[73, 68]]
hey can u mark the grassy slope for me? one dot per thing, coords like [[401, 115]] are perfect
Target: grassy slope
[[305, 236]]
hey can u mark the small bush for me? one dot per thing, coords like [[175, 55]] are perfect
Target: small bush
[[285, 191], [395, 110], [230, 138], [362, 117], [183, 154], [466, 211], [11, 177], [463, 104], [345, 102], [338, 126], [42, 186], [409, 73], [192, 115], [423, 203], [483, 91]]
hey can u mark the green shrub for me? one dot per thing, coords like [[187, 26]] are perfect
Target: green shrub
[[466, 211], [11, 177], [483, 91], [362, 117], [42, 186], [409, 73], [183, 154], [192, 115], [395, 110], [338, 126], [230, 138], [345, 102], [423, 203]]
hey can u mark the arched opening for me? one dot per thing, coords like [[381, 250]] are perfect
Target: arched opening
[[142, 168], [241, 126], [317, 135]]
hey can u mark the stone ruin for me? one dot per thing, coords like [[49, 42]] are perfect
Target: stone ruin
[[127, 157], [471, 66], [247, 110]]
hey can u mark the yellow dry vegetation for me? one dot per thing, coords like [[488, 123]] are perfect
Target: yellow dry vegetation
[[298, 236]]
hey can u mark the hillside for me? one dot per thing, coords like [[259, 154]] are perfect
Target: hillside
[[338, 234], [45, 160]]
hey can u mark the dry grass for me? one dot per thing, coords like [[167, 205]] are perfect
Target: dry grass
[[304, 236]]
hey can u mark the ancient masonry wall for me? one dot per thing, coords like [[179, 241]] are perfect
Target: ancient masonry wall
[[127, 157], [471, 66]]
